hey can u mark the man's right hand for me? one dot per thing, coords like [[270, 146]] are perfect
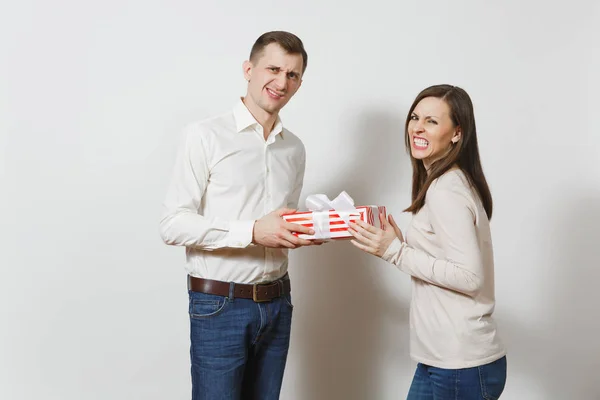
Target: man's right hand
[[273, 231]]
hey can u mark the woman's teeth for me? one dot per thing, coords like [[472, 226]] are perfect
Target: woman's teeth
[[419, 142]]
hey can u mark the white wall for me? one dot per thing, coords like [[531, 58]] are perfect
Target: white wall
[[94, 94]]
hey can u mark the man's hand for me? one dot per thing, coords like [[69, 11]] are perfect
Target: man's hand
[[273, 231]]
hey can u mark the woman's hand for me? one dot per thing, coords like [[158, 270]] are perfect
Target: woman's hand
[[374, 240]]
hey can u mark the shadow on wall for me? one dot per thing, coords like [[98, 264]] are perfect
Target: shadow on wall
[[343, 306], [562, 353], [572, 350]]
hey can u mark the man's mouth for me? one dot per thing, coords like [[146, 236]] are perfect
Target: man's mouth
[[274, 94]]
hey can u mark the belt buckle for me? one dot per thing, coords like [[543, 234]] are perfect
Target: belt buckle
[[255, 293]]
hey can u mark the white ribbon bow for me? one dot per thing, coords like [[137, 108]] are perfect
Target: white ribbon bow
[[320, 205]]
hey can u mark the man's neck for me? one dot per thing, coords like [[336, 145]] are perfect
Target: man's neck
[[265, 119]]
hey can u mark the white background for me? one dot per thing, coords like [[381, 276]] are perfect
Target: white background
[[93, 96]]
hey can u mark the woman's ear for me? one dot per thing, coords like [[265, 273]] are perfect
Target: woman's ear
[[457, 135]]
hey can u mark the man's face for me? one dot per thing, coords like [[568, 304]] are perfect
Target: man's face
[[273, 78]]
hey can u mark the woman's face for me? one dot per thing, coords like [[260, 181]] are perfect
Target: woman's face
[[431, 130]]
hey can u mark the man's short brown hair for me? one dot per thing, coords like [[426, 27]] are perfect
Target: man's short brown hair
[[288, 42]]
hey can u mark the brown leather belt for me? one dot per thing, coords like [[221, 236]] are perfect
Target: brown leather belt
[[259, 292]]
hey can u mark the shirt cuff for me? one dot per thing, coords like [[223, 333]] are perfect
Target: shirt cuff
[[240, 233], [393, 251]]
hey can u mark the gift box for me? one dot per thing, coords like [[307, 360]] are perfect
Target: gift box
[[330, 219]]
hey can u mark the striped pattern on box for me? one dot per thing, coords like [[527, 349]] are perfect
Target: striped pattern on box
[[337, 226]]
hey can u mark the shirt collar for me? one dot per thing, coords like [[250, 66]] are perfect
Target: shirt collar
[[244, 119]]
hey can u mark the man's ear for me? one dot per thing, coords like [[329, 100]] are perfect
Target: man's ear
[[247, 68]]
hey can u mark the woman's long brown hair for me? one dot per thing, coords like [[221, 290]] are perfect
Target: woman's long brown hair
[[464, 153]]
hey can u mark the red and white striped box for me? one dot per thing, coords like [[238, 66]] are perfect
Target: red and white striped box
[[337, 226]]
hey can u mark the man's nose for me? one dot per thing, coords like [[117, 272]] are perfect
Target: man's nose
[[281, 81]]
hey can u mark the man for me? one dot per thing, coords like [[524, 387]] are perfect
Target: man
[[236, 174]]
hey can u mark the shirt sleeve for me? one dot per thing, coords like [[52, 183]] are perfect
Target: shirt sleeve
[[452, 218], [181, 223]]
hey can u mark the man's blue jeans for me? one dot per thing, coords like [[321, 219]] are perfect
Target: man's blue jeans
[[238, 347], [478, 383]]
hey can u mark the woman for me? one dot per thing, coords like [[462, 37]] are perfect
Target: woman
[[447, 252]]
